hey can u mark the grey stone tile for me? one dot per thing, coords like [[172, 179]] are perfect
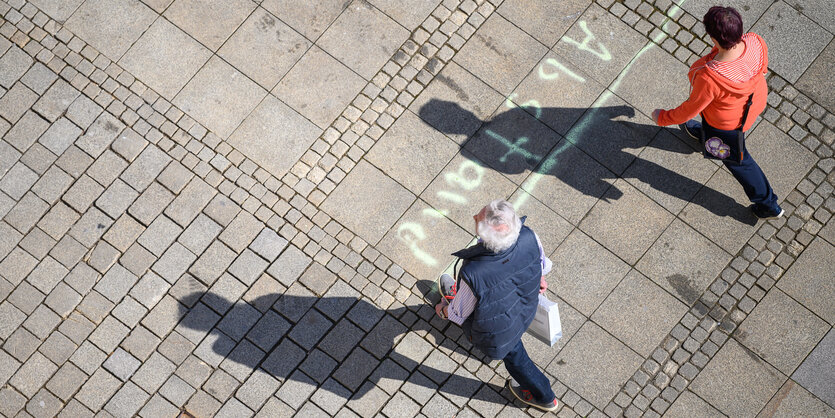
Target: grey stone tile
[[783, 27], [140, 343], [142, 171], [66, 381], [318, 365], [257, 389], [121, 364], [683, 261], [56, 100], [646, 94], [264, 292], [18, 181], [174, 262], [500, 54], [109, 334], [310, 329], [21, 344], [129, 144], [197, 322], [83, 111], [116, 283], [340, 340], [212, 263], [637, 300], [688, 405], [175, 177], [814, 81], [16, 102], [194, 371], [116, 199], [234, 408], [410, 15], [268, 331], [805, 280], [100, 135], [124, 232], [268, 244], [74, 161], [241, 231], [52, 184], [176, 390], [83, 193], [42, 321], [248, 267], [364, 186], [63, 299], [14, 62], [794, 399], [95, 307], [610, 222], [456, 103], [203, 404], [781, 331], [737, 382], [380, 340], [309, 18], [242, 360], [17, 265], [413, 350], [363, 38], [289, 265], [264, 48], [209, 25], [328, 87], [318, 279], [411, 152], [421, 242], [221, 385], [146, 208], [274, 136], [111, 26], [420, 388], [239, 320], [594, 364], [33, 374], [202, 231], [461, 387], [149, 290], [224, 292], [783, 160], [222, 209], [159, 235], [401, 405], [44, 404], [137, 259], [599, 43], [218, 82], [551, 228], [158, 407], [22, 135], [26, 213], [153, 372], [38, 158], [296, 389], [544, 20], [12, 401], [370, 398], [26, 298], [556, 92], [37, 243], [188, 204], [129, 311], [165, 58]]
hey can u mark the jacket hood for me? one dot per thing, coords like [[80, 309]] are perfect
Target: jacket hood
[[744, 88]]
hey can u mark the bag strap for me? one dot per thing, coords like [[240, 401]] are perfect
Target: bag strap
[[747, 108]]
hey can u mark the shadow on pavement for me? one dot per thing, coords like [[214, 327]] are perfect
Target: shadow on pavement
[[521, 139], [333, 327]]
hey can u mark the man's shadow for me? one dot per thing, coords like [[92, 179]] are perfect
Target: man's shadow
[[322, 340], [594, 150]]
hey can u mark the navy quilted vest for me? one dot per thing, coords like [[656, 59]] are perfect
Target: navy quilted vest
[[506, 285]]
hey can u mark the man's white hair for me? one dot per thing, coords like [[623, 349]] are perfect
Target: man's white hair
[[500, 227]]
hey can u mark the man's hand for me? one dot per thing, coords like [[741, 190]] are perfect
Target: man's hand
[[439, 308], [655, 114], [543, 285]]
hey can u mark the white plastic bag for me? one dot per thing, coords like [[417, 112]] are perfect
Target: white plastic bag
[[546, 323]]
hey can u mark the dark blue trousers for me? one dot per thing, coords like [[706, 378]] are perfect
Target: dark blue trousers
[[751, 177], [527, 375], [753, 181]]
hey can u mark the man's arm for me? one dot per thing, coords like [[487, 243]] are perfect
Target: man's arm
[[701, 95], [461, 307], [546, 265]]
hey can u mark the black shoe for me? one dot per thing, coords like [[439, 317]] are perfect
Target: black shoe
[[692, 128], [526, 397], [766, 214]]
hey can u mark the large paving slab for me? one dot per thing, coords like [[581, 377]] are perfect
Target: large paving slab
[[809, 279], [816, 81], [111, 26], [793, 39], [210, 23], [544, 20], [815, 373]]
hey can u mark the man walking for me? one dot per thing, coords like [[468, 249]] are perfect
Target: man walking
[[496, 295]]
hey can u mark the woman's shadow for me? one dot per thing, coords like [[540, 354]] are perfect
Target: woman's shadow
[[344, 345], [594, 150]]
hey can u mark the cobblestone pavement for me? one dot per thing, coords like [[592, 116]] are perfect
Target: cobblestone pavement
[[233, 208]]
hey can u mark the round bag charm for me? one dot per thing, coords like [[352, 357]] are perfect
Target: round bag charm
[[717, 148]]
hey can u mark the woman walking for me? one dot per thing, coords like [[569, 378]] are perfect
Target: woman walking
[[729, 91]]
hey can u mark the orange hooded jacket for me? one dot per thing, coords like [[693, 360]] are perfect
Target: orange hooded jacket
[[719, 100]]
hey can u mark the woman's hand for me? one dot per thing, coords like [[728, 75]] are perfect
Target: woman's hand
[[439, 308], [543, 285], [655, 114]]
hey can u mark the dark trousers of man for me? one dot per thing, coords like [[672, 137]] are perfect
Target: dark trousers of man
[[753, 181], [527, 375]]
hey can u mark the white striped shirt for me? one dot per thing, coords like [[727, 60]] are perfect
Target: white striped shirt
[[746, 66], [463, 305]]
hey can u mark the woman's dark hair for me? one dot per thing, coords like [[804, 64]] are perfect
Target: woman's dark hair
[[724, 24]]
